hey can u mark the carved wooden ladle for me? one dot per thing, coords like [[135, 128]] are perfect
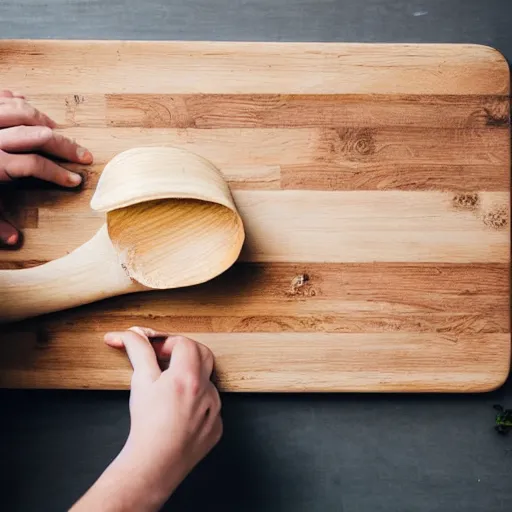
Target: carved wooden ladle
[[171, 222]]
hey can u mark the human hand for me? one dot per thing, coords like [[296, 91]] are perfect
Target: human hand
[[175, 421], [26, 134]]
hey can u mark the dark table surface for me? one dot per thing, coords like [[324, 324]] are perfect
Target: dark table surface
[[279, 452]]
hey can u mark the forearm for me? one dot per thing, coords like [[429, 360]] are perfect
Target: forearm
[[124, 487]]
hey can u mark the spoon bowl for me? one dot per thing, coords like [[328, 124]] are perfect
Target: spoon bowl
[[171, 222], [170, 229]]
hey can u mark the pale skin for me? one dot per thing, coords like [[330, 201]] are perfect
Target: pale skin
[[175, 422], [25, 136], [174, 406]]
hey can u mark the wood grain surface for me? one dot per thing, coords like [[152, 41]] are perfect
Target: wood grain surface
[[373, 181]]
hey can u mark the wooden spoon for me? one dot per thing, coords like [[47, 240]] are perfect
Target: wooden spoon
[[171, 222]]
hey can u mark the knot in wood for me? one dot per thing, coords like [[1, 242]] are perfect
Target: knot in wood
[[365, 143]]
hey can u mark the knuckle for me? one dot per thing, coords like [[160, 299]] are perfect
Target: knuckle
[[137, 330], [18, 102], [193, 384], [192, 346], [29, 109], [44, 132], [178, 385], [31, 165], [187, 383], [183, 340], [60, 138], [23, 165], [35, 163], [20, 130], [207, 354]]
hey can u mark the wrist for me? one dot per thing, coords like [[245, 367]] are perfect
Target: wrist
[[150, 477], [122, 488]]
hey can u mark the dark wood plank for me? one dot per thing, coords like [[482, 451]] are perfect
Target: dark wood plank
[[299, 111], [274, 297], [457, 177]]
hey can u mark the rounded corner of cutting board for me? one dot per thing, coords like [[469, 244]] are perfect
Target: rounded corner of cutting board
[[499, 58], [498, 379], [491, 50], [497, 382]]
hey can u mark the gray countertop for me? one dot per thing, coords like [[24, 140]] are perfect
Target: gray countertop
[[279, 452]]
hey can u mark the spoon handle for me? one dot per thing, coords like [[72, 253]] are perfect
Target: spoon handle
[[91, 272]]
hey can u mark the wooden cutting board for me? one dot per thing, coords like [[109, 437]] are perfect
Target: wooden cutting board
[[373, 181]]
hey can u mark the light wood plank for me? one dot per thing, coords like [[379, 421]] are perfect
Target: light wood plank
[[373, 226], [306, 362], [246, 68], [362, 226], [274, 146]]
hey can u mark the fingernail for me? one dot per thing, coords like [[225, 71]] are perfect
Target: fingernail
[[12, 240], [112, 339], [84, 155], [74, 179]]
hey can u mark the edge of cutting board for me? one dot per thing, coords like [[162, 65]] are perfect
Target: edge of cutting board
[[489, 75]]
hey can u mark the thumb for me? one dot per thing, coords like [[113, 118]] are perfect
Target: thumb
[[140, 353]]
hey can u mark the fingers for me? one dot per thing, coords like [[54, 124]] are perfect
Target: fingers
[[42, 138], [140, 352], [150, 333], [8, 234], [165, 347], [22, 166], [31, 131], [15, 111], [187, 357]]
